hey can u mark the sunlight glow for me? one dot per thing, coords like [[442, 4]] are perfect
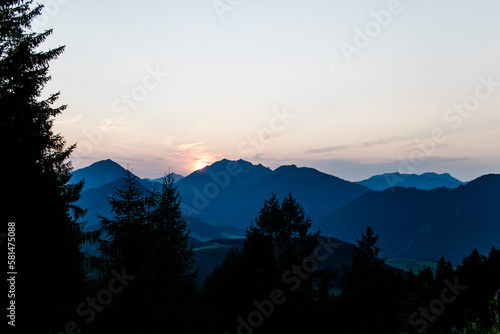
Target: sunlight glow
[[199, 164]]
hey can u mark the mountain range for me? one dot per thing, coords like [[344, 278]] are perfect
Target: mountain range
[[425, 181], [426, 217], [233, 192], [414, 223]]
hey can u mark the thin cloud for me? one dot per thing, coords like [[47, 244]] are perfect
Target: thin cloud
[[187, 146], [352, 146], [69, 121]]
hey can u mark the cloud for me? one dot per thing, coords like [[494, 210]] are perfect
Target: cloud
[[69, 121], [329, 149], [352, 146], [444, 160], [168, 141], [184, 147]]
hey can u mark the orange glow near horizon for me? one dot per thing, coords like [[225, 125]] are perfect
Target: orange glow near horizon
[[199, 164]]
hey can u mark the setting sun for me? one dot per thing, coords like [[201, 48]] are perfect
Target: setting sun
[[199, 165]]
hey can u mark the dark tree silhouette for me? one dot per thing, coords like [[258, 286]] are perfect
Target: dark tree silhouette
[[122, 242], [148, 237], [173, 285], [371, 292], [123, 237], [34, 174], [277, 241]]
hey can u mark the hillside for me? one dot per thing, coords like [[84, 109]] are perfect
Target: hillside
[[422, 224], [98, 174], [213, 194]]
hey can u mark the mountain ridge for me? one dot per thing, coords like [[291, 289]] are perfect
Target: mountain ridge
[[234, 191], [425, 181], [224, 198], [425, 224]]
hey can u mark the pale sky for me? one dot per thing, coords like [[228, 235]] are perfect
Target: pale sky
[[352, 88]]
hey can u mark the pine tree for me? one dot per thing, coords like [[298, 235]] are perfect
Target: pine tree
[[286, 228], [173, 276], [149, 238], [122, 238], [371, 292], [124, 246], [444, 271], [473, 302], [34, 176], [277, 240]]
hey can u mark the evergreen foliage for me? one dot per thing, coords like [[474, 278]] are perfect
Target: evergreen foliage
[[34, 176], [148, 238]]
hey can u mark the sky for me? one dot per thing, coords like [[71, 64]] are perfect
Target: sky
[[352, 88]]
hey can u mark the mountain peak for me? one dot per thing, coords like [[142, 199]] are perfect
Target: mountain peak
[[98, 174], [240, 172], [107, 162], [425, 181], [286, 168], [225, 164]]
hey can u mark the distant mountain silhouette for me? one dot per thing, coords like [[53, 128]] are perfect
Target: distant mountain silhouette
[[233, 192], [99, 174], [222, 199], [95, 200], [421, 224], [240, 173], [426, 181], [177, 177]]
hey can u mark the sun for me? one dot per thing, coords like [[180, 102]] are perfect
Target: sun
[[199, 165]]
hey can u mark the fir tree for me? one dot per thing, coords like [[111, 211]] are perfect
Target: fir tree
[[124, 246], [286, 228], [174, 276], [444, 270], [371, 292], [149, 238], [277, 240], [122, 238], [34, 176]]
